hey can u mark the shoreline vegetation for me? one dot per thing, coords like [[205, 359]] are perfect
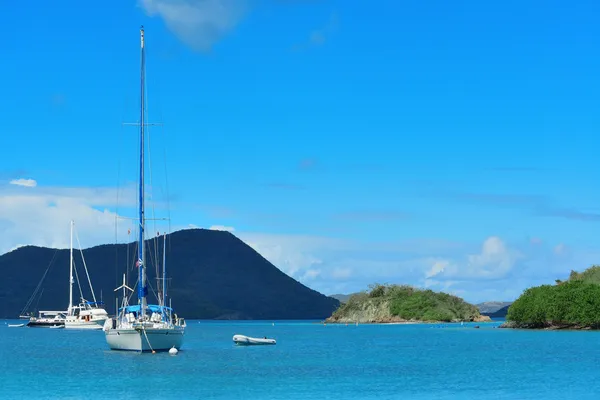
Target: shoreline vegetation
[[572, 304], [403, 304]]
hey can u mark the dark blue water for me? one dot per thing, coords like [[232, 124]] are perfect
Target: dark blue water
[[310, 361]]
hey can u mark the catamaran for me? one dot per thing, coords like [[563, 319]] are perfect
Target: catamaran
[[144, 327]]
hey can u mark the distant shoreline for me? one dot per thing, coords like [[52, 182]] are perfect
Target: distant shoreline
[[404, 322], [547, 327]]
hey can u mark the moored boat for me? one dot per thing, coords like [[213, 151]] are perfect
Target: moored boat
[[244, 340]]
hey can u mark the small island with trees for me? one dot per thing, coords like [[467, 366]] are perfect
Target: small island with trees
[[404, 304], [570, 304]]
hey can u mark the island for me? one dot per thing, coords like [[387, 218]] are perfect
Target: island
[[404, 304], [570, 304]]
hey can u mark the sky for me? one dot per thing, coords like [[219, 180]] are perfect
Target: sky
[[445, 145]]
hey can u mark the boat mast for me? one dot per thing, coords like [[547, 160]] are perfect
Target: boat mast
[[142, 289], [164, 285], [71, 273]]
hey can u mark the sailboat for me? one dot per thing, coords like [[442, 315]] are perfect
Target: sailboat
[[86, 314], [144, 327]]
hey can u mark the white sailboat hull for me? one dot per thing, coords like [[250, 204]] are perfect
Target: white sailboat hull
[[130, 339]]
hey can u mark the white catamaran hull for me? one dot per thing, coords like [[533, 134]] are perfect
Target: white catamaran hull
[[138, 340]]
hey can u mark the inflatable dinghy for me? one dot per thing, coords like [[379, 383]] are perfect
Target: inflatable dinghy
[[248, 341]]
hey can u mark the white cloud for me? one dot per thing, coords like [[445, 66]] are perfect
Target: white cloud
[[341, 273], [42, 217], [222, 228], [289, 255], [494, 261], [311, 274], [437, 268], [24, 182], [560, 249], [494, 270], [198, 23]]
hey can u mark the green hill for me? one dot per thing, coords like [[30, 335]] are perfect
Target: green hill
[[401, 303], [570, 304]]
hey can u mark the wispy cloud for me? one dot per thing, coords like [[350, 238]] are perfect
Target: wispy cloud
[[568, 213], [198, 23], [24, 182], [533, 204], [222, 228]]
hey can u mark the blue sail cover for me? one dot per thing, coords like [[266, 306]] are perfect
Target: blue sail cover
[[152, 307]]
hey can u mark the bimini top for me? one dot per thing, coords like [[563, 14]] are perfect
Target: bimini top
[[152, 307]]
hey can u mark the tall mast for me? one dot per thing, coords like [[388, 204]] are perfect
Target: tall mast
[[71, 272], [142, 289], [164, 285]]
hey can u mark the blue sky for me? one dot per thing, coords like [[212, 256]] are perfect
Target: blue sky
[[443, 144]]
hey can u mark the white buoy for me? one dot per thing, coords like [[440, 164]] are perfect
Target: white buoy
[[173, 351]]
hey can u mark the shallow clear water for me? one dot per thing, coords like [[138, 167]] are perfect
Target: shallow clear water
[[310, 361]]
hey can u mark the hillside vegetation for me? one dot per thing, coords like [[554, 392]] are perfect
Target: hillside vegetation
[[401, 303], [573, 304]]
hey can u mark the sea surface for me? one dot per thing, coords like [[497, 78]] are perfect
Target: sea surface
[[309, 361]]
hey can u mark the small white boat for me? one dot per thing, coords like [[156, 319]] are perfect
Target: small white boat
[[248, 341], [15, 325]]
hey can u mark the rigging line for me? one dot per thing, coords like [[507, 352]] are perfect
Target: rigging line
[[37, 305], [163, 136], [120, 144], [134, 289], [77, 276], [151, 261], [168, 196], [85, 266], [117, 214], [151, 184], [149, 345], [127, 253], [39, 285]]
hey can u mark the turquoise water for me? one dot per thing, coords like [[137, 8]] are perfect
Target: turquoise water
[[310, 361]]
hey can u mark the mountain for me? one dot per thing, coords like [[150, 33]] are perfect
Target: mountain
[[501, 313], [342, 298], [490, 307], [212, 275]]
